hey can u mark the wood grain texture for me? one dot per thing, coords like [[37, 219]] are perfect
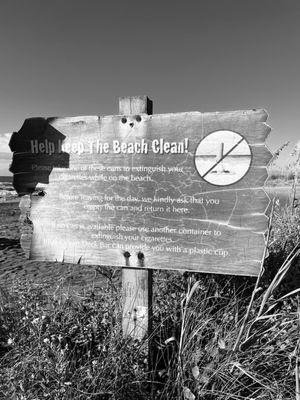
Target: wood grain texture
[[137, 302], [136, 283], [25, 225], [105, 204], [135, 105]]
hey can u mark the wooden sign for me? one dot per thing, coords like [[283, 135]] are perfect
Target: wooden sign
[[172, 191]]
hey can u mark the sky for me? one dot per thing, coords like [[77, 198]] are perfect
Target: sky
[[77, 57]]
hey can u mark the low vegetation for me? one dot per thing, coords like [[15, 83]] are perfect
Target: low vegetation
[[214, 337], [284, 175]]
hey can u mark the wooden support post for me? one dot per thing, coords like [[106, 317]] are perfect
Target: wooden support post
[[136, 282]]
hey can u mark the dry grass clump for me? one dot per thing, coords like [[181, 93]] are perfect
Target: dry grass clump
[[284, 175], [64, 348], [213, 337], [280, 175], [206, 365]]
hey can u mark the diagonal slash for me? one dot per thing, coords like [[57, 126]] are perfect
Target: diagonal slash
[[222, 158]]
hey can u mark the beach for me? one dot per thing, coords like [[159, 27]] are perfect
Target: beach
[[16, 269]]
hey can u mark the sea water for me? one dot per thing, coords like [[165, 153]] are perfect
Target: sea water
[[7, 191]]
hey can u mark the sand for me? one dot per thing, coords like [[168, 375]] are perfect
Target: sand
[[16, 269]]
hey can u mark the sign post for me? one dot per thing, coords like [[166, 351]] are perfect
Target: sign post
[[136, 282], [142, 191]]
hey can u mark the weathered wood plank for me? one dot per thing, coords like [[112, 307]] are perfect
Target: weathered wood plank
[[135, 105], [136, 283], [38, 163], [137, 301], [250, 123], [25, 224], [123, 177], [261, 155]]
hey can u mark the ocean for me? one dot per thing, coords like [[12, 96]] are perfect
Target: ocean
[[7, 191]]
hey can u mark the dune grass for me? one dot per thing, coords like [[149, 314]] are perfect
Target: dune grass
[[61, 346], [281, 176]]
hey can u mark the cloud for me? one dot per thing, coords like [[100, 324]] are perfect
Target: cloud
[[5, 160], [4, 139]]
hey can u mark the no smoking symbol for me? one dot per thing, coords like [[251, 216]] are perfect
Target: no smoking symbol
[[223, 158]]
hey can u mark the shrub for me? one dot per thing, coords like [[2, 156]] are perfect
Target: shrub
[[71, 347]]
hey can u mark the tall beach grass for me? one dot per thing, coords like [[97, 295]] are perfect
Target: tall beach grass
[[214, 336]]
